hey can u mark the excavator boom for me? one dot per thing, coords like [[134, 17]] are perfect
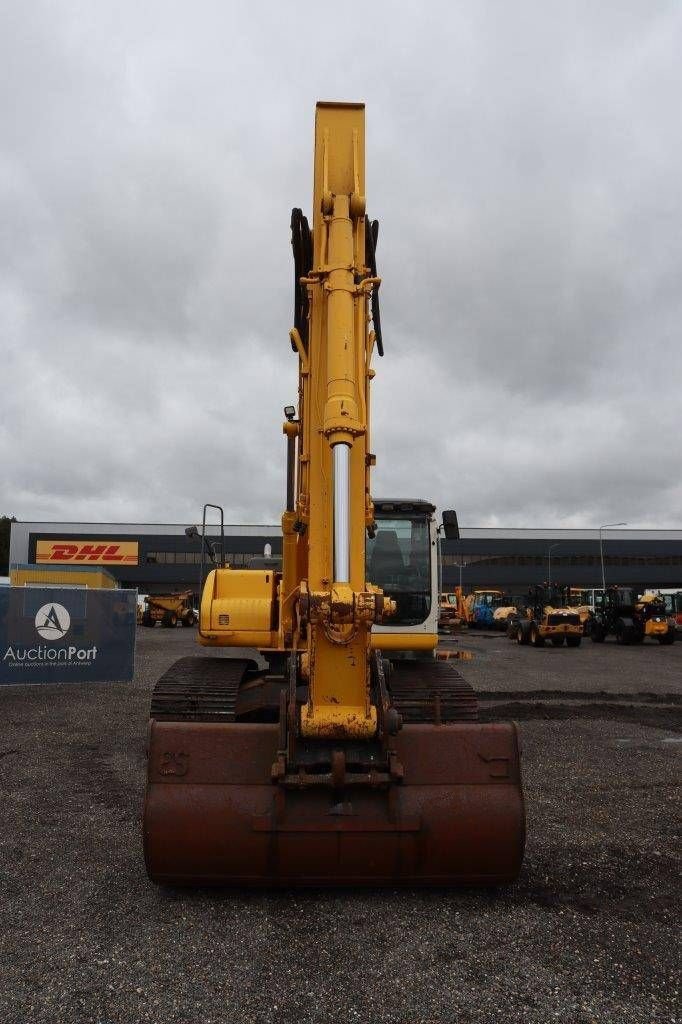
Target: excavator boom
[[315, 758]]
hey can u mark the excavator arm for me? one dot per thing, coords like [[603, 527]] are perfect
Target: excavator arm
[[329, 765], [334, 608]]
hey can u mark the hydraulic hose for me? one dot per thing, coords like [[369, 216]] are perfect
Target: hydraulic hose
[[371, 239], [301, 243]]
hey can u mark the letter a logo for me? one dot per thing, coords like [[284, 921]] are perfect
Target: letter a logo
[[53, 621]]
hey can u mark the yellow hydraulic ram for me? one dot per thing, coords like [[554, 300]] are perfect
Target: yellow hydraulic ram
[[332, 500]]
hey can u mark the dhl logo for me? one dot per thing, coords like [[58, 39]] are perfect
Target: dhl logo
[[72, 551]]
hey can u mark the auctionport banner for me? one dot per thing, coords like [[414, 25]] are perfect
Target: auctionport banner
[[66, 635]]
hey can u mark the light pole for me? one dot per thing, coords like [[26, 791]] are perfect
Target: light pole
[[606, 526], [550, 549]]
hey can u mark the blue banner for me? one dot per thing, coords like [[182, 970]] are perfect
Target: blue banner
[[66, 635]]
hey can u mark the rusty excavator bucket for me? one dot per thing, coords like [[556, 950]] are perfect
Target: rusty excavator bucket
[[444, 808], [341, 751]]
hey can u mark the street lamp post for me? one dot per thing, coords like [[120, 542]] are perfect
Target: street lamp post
[[606, 526], [550, 549]]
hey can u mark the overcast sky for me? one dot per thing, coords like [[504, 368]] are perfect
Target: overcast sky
[[525, 162]]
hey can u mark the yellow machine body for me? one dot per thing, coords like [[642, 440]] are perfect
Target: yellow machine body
[[397, 641], [169, 602], [239, 608], [562, 626], [656, 627]]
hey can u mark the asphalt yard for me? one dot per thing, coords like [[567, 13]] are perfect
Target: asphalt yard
[[589, 933]]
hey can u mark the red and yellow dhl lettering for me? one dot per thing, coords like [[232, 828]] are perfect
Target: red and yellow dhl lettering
[[60, 553], [89, 552]]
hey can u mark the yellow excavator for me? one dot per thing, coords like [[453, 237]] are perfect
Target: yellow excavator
[[318, 740]]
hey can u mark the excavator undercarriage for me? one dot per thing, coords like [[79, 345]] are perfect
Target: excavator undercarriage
[[330, 746]]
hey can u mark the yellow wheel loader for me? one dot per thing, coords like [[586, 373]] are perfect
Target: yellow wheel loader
[[331, 748], [547, 618]]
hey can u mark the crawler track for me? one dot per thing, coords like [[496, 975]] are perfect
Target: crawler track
[[199, 690], [428, 691]]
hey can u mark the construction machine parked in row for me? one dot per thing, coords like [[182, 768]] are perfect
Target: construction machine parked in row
[[631, 619], [451, 613], [546, 617], [483, 609], [583, 602], [511, 606], [479, 608], [169, 610], [338, 750], [672, 600]]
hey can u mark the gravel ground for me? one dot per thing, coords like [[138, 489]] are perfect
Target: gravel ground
[[500, 664], [588, 934]]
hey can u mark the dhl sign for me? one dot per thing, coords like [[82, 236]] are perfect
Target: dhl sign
[[92, 552]]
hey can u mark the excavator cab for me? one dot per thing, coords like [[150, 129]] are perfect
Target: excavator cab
[[317, 740], [401, 554]]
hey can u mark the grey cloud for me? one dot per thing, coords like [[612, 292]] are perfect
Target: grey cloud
[[524, 161]]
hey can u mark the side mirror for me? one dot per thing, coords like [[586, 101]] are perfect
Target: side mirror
[[191, 531], [450, 525]]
